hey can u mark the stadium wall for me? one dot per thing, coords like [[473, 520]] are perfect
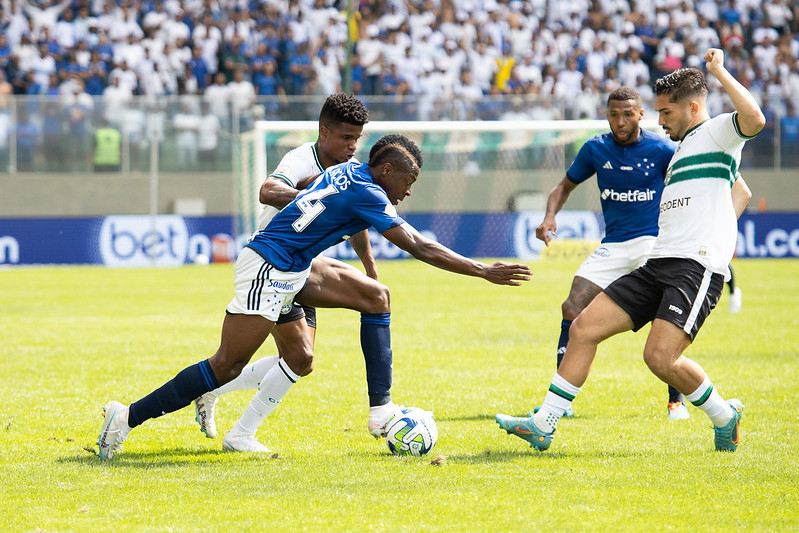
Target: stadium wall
[[211, 193]]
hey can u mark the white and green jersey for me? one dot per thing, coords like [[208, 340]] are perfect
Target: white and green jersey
[[297, 164], [697, 218]]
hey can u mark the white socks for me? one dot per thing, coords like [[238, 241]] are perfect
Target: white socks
[[707, 398], [559, 397], [274, 386], [250, 377]]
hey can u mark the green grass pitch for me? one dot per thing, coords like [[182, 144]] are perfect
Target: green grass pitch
[[75, 338]]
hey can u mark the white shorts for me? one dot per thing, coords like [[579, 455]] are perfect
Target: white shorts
[[262, 289], [612, 260]]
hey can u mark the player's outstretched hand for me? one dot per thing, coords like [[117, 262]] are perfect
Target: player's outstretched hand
[[503, 273]]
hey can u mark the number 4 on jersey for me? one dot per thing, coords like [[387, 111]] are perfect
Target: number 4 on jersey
[[311, 206]]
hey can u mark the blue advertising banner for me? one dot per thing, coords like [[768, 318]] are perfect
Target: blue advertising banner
[[768, 235], [118, 241], [172, 240]]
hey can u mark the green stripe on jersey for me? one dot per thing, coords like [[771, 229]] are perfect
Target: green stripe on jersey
[[316, 158], [284, 178], [719, 165], [737, 127]]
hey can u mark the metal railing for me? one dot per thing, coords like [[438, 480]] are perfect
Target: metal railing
[[47, 134]]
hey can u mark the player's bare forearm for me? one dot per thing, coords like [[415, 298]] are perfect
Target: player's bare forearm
[[277, 193], [555, 202], [438, 255], [360, 243], [304, 183], [750, 117]]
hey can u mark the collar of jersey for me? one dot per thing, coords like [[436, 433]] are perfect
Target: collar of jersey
[[692, 129], [316, 157]]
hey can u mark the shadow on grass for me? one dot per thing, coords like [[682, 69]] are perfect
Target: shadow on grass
[[168, 457], [481, 417]]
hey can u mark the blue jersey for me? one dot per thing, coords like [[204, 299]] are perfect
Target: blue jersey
[[343, 201], [630, 180]]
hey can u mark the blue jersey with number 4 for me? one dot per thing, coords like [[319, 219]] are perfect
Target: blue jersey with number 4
[[630, 180], [343, 201]]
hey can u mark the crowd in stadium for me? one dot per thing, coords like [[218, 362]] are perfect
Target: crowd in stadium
[[460, 48]]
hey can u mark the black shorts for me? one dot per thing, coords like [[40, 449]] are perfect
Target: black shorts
[[680, 291], [297, 312]]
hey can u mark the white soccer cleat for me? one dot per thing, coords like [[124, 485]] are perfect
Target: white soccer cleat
[[736, 302], [115, 430], [243, 443], [380, 416], [204, 413]]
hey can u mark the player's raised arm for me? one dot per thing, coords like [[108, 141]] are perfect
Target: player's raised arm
[[406, 237], [750, 118]]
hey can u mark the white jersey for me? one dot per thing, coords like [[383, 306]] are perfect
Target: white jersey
[[697, 218], [298, 164]]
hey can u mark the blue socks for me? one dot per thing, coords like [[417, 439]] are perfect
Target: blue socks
[[376, 346], [563, 340], [190, 383]]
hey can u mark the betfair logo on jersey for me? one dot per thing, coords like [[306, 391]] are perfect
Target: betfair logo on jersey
[[629, 196]]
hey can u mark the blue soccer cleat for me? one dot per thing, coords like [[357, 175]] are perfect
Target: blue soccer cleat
[[728, 437], [525, 428]]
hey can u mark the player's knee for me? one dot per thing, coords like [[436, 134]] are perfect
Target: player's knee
[[300, 360], [307, 370], [577, 331], [658, 362], [378, 300], [570, 309], [225, 371]]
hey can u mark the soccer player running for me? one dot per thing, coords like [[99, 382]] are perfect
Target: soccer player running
[[274, 266], [332, 283], [630, 166], [681, 282]]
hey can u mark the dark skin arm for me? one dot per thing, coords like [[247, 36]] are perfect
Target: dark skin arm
[[557, 199], [501, 273]]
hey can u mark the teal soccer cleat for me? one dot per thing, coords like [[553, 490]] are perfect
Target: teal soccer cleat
[[525, 428], [568, 413], [728, 437]]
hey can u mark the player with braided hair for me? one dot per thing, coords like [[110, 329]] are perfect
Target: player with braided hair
[[332, 283]]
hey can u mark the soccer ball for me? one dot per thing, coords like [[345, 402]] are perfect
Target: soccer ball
[[412, 431]]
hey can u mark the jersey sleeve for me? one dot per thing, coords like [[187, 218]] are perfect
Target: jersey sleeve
[[583, 166], [374, 207], [725, 130], [295, 166]]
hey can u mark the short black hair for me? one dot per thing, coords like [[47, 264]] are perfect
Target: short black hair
[[396, 140], [342, 108], [623, 94], [682, 83]]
